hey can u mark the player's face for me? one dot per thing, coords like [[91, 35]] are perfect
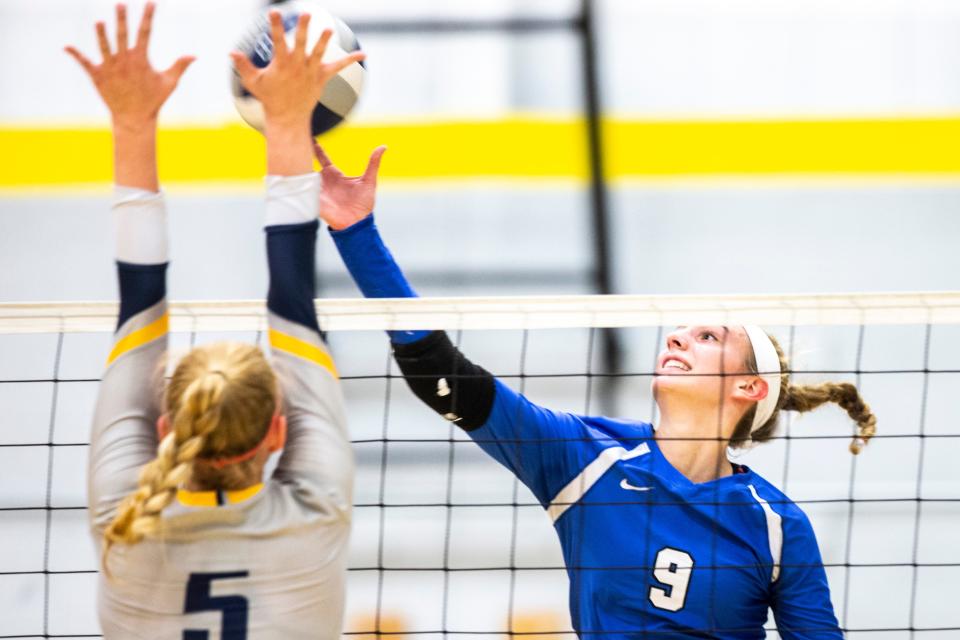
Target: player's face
[[702, 361]]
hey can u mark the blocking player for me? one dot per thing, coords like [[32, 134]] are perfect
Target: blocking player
[[196, 542]]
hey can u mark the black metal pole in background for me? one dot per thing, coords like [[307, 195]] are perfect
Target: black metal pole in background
[[599, 204]]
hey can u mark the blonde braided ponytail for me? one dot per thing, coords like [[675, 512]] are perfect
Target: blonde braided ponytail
[[808, 397], [220, 401], [803, 398]]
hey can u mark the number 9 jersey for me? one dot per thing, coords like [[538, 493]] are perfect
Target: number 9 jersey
[[647, 551]]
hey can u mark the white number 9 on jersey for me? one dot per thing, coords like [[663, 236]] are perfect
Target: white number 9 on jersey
[[672, 568]]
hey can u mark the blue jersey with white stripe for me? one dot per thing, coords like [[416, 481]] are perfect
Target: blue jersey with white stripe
[[650, 553]]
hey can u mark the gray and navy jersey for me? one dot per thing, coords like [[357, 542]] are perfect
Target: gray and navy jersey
[[263, 563]]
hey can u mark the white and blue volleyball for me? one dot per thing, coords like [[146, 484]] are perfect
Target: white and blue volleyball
[[343, 90]]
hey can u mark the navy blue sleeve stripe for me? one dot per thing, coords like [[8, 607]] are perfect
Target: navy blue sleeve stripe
[[291, 258], [141, 287]]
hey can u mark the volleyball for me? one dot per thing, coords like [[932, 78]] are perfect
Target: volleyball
[[342, 92]]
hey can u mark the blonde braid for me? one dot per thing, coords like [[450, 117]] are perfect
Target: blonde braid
[[808, 397], [803, 398], [221, 400], [197, 417]]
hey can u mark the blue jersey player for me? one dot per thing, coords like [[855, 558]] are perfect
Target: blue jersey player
[[661, 534]]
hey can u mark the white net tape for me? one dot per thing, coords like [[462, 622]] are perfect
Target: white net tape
[[554, 312]]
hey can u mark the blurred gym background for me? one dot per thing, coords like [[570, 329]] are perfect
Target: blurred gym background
[[536, 147]]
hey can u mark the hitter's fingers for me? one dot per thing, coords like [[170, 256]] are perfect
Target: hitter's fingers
[[373, 167], [321, 155]]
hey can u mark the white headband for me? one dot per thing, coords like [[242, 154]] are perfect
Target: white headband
[[768, 366]]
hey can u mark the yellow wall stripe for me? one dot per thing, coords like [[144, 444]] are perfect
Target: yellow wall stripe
[[883, 147], [525, 147], [512, 147], [301, 349], [142, 336]]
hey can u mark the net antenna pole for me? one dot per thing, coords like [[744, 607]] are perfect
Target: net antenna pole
[[48, 504], [918, 508], [610, 347]]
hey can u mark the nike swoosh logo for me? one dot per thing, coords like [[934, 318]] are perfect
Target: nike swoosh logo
[[629, 487]]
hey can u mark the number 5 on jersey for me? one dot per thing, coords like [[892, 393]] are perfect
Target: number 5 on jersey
[[233, 625], [673, 568]]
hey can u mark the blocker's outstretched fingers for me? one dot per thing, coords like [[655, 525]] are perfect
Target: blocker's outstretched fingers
[[277, 34], [244, 67], [373, 167], [146, 25], [122, 37], [320, 48], [341, 64], [81, 59], [103, 42], [321, 155], [300, 40], [178, 68]]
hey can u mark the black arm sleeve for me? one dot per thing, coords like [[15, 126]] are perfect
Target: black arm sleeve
[[446, 381]]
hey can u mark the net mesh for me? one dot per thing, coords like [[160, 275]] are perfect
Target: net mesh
[[447, 542]]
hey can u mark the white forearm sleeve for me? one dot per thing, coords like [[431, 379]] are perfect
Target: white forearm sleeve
[[292, 199], [140, 226]]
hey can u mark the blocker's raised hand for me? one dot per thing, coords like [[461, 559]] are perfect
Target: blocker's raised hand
[[132, 89], [292, 84]]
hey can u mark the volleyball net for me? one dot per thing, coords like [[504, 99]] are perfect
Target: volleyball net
[[446, 541]]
